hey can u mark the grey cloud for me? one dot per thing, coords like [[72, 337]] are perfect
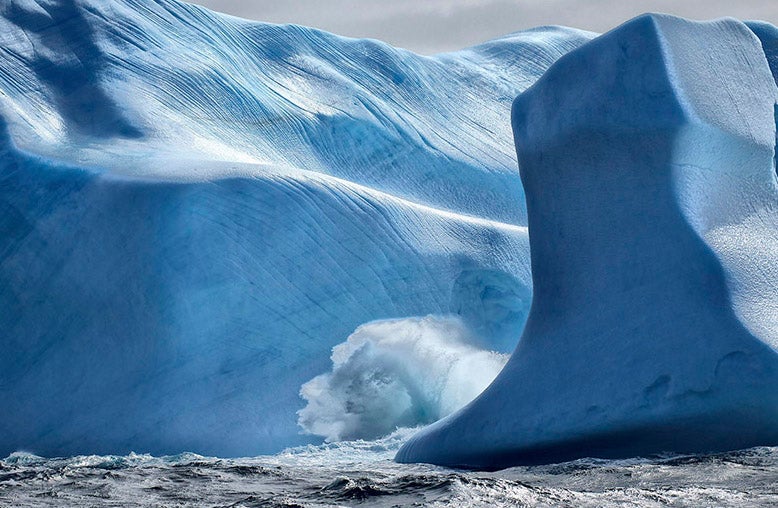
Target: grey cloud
[[430, 26]]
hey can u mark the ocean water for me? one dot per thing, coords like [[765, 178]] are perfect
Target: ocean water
[[362, 473]]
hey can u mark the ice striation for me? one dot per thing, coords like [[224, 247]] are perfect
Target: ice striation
[[197, 208], [647, 157]]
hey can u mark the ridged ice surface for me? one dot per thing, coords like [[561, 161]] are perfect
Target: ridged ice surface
[[197, 208], [153, 81]]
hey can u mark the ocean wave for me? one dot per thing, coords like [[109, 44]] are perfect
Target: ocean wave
[[397, 373]]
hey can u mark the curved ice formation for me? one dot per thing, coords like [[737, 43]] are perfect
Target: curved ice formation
[[197, 208], [647, 162]]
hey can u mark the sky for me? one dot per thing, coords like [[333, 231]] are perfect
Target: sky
[[432, 26]]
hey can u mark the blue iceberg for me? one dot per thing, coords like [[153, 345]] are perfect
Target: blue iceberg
[[647, 158], [197, 208], [218, 234]]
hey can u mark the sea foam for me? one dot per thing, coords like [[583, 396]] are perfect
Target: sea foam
[[397, 373]]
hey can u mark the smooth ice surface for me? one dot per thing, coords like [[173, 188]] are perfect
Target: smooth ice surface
[[647, 162], [197, 208]]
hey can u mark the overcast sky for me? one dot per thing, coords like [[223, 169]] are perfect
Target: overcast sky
[[430, 26]]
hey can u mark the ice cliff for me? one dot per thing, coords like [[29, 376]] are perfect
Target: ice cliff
[[199, 215], [195, 209], [647, 158]]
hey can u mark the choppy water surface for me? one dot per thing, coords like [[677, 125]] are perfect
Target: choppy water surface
[[362, 473]]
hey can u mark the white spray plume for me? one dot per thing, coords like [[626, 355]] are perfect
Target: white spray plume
[[397, 373]]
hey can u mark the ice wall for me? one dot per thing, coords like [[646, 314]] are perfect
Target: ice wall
[[647, 161], [197, 208]]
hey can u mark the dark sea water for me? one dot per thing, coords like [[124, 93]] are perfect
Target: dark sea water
[[362, 473]]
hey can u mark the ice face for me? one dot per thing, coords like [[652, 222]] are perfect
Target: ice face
[[197, 208], [647, 162], [108, 83]]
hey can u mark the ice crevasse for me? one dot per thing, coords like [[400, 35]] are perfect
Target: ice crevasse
[[647, 159]]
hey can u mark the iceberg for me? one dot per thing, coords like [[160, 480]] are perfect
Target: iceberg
[[647, 158], [197, 208], [216, 233]]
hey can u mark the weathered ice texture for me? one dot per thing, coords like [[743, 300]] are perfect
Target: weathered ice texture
[[194, 209], [647, 162]]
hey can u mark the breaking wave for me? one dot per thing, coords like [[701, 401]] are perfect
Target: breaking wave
[[397, 373]]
